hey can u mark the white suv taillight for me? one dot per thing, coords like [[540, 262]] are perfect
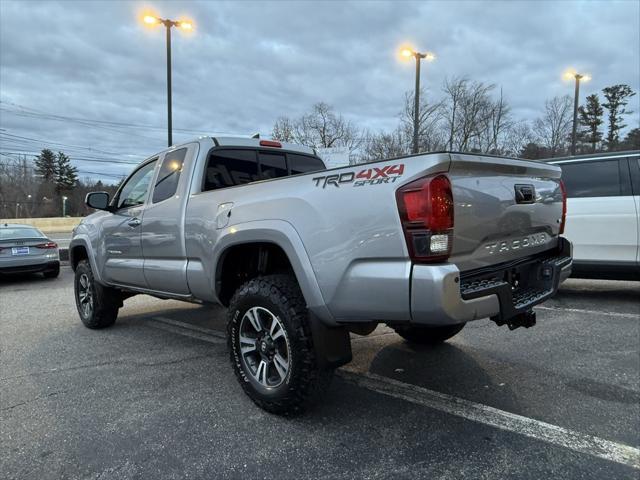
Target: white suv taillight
[[426, 213]]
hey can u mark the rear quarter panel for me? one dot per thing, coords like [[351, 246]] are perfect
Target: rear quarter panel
[[350, 231]]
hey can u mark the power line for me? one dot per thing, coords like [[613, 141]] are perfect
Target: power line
[[12, 136], [17, 164], [80, 159], [26, 111]]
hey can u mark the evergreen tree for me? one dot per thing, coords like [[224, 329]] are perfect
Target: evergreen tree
[[66, 175], [617, 98], [46, 165], [631, 141], [590, 121]]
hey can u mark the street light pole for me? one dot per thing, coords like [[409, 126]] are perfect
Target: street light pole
[[185, 25], [576, 97], [64, 206], [416, 105], [407, 52], [168, 24]]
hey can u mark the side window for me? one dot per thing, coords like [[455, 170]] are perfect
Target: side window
[[169, 175], [229, 167], [591, 179], [304, 163], [134, 191], [272, 165]]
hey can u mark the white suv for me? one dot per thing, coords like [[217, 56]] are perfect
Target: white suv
[[603, 207]]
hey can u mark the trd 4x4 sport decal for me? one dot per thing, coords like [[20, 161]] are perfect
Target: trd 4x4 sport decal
[[369, 176]]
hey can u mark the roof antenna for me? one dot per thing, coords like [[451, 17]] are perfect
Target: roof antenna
[[256, 135]]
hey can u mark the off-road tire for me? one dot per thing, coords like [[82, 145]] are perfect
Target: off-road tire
[[53, 273], [428, 335], [304, 382], [106, 301]]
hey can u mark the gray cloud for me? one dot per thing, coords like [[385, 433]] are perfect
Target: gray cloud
[[249, 62]]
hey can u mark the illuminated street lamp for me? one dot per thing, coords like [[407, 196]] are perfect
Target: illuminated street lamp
[[407, 53], [64, 206], [578, 77], [185, 25]]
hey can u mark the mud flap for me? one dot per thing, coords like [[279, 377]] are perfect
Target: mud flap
[[332, 344]]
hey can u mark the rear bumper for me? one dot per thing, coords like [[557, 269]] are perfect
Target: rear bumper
[[442, 295], [33, 268]]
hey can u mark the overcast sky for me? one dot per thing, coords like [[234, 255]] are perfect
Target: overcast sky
[[247, 63]]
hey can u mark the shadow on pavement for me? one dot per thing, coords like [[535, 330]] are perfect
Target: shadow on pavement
[[23, 278], [444, 368]]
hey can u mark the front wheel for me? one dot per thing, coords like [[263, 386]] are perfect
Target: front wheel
[[97, 305], [271, 345], [424, 335]]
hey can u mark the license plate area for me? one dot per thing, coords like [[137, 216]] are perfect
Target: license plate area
[[20, 251]]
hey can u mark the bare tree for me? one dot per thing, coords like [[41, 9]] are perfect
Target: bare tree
[[283, 130], [430, 134], [496, 126], [516, 137], [378, 146], [554, 126], [321, 128], [468, 111]]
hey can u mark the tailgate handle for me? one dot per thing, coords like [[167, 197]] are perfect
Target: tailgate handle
[[525, 193]]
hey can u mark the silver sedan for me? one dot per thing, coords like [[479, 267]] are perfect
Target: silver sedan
[[25, 249]]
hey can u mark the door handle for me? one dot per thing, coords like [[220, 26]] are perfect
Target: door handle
[[134, 222]]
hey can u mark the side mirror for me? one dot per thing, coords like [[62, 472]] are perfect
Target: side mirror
[[97, 200]]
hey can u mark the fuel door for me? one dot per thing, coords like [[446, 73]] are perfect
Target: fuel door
[[223, 214]]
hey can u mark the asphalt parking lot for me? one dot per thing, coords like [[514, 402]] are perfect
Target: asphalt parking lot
[[155, 397]]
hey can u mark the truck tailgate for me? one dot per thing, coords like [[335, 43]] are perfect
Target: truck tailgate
[[504, 209]]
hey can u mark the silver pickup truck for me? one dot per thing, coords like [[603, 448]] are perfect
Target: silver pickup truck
[[302, 255]]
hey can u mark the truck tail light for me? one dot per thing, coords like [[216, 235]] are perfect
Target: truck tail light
[[426, 213], [564, 207], [47, 245]]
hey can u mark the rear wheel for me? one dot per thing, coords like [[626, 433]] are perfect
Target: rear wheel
[[271, 345], [97, 305], [428, 335]]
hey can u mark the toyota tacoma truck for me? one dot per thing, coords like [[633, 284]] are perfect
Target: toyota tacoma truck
[[303, 256]]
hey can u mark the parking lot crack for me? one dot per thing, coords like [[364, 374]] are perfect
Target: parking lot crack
[[35, 399], [105, 364]]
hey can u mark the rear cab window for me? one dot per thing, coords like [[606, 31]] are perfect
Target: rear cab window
[[272, 165], [299, 163], [228, 167]]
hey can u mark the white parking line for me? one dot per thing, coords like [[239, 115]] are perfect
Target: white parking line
[[476, 412], [529, 427], [591, 312]]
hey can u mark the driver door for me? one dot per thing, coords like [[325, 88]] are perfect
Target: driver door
[[123, 262]]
